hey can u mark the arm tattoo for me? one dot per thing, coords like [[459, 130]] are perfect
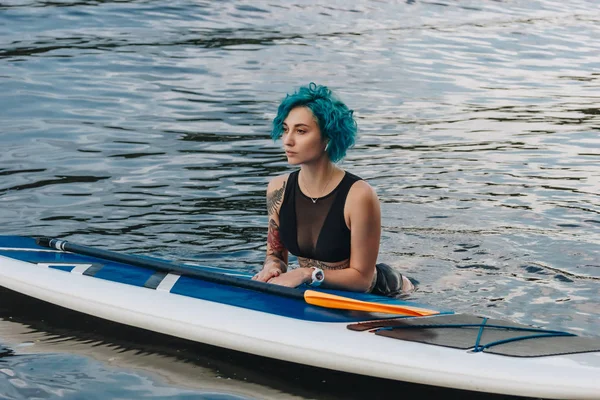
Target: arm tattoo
[[274, 199], [309, 263], [276, 247]]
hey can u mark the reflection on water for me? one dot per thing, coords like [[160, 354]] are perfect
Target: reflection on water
[[143, 127], [27, 377]]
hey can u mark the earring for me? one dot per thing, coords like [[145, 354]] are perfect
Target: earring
[[327, 146]]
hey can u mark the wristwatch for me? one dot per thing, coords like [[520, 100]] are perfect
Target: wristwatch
[[317, 277]]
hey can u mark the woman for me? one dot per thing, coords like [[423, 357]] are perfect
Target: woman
[[329, 218]]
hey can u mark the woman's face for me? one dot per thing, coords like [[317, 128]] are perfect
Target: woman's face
[[301, 137]]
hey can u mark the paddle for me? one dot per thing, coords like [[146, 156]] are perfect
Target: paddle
[[309, 296]]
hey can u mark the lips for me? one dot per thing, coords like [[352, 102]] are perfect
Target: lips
[[290, 153]]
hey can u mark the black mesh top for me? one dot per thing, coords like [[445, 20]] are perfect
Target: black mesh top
[[316, 230]]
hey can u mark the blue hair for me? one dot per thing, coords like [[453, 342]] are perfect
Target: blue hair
[[335, 119]]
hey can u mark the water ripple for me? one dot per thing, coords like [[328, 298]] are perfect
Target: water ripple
[[144, 127]]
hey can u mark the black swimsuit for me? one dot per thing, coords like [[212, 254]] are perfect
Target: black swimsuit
[[316, 230]]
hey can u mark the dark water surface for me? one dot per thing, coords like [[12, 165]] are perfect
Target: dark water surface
[[142, 126]]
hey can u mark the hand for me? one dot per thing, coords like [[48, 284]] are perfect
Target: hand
[[293, 278], [268, 272], [273, 267]]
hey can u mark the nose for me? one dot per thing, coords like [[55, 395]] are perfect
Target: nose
[[287, 140]]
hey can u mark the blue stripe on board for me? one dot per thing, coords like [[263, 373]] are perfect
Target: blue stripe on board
[[196, 288], [354, 295], [124, 274], [107, 270], [271, 304], [66, 268]]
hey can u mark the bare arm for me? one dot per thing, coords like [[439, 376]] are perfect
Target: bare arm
[[365, 228], [277, 255], [363, 216]]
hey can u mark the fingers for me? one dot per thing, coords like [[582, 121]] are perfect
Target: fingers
[[265, 276], [284, 280], [258, 277]]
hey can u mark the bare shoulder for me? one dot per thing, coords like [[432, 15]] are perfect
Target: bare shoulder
[[275, 193], [362, 203], [277, 182], [361, 194]]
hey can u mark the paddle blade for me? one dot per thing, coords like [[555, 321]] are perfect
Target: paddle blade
[[345, 303]]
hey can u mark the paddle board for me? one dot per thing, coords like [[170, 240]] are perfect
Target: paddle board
[[445, 350]]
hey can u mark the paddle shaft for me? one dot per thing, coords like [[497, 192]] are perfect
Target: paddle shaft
[[307, 296], [173, 268]]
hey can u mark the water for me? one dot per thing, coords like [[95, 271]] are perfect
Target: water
[[143, 127]]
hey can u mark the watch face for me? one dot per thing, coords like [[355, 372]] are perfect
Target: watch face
[[317, 277]]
